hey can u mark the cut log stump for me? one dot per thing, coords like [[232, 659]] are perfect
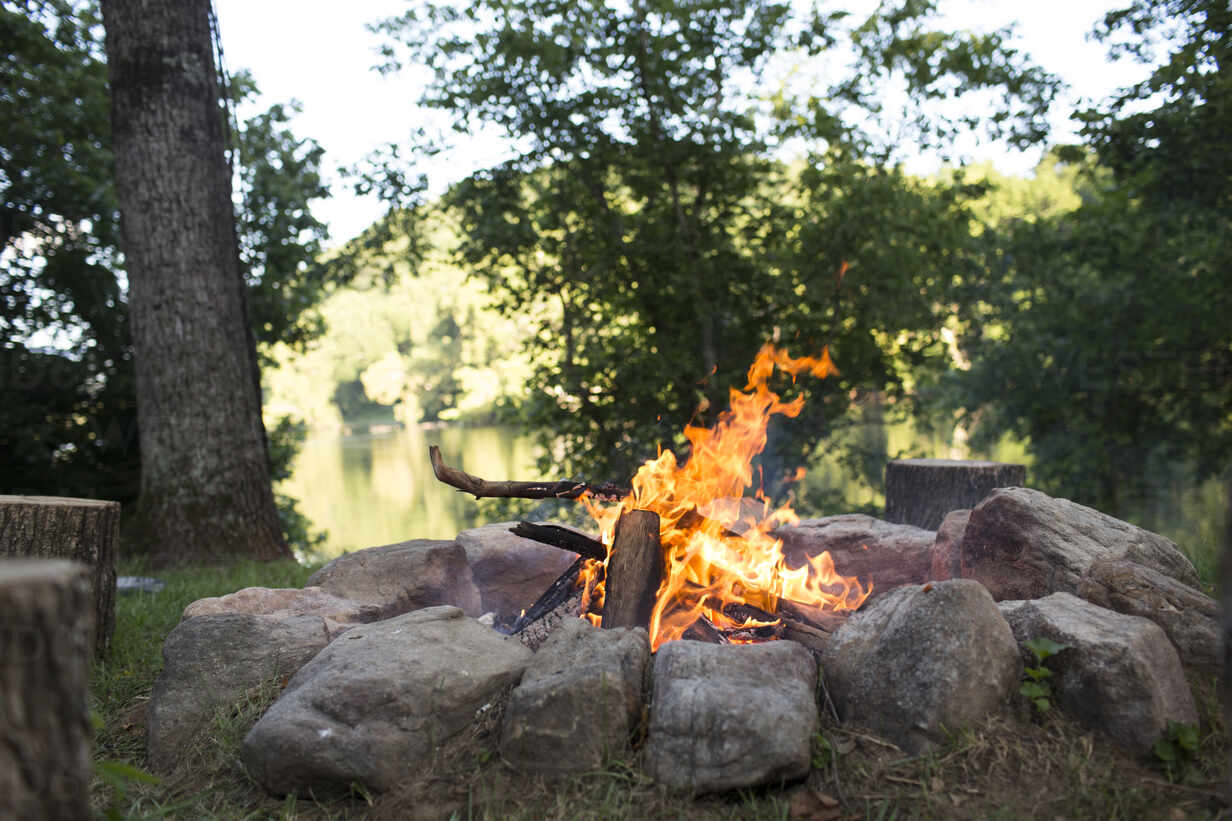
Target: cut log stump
[[80, 530], [921, 492], [46, 624], [634, 570]]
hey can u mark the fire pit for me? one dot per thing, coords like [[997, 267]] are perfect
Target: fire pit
[[684, 552]]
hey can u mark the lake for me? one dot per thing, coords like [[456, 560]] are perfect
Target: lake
[[374, 489]]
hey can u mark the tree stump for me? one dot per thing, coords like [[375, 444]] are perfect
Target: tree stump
[[921, 492], [81, 530], [634, 570], [46, 622]]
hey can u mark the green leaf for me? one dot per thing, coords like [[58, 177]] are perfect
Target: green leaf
[[1165, 751], [1044, 647], [1038, 673], [1033, 689], [1184, 735], [119, 774], [1042, 704]]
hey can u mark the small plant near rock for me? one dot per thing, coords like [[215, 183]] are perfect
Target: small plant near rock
[[1177, 749], [1035, 684]]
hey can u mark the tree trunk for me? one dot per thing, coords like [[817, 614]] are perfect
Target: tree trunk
[[205, 485], [82, 530], [921, 492], [1225, 620], [44, 673]]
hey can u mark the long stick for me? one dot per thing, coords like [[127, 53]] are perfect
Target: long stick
[[482, 488]]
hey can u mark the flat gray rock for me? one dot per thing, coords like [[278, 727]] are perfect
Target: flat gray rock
[[730, 716], [375, 704], [1188, 616], [402, 577], [510, 572], [1121, 675], [579, 701], [891, 555], [210, 661], [285, 602], [922, 660], [1023, 544]]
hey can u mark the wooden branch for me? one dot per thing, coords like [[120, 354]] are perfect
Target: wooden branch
[[826, 620], [482, 488], [633, 571], [562, 537]]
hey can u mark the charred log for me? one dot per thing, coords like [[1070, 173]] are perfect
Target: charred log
[[562, 537], [557, 594]]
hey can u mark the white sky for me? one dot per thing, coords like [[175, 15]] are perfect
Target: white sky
[[318, 52]]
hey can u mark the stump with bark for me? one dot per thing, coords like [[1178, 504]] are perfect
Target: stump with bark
[[46, 622], [81, 530], [921, 492]]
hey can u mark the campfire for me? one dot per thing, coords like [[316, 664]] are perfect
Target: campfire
[[685, 552]]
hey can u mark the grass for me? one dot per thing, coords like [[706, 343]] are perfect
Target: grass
[[1015, 766]]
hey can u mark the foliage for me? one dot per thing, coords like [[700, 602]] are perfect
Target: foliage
[[411, 344], [63, 310], [647, 229], [1177, 748], [1100, 335], [1035, 686]]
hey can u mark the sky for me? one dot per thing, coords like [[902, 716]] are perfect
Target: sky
[[321, 55]]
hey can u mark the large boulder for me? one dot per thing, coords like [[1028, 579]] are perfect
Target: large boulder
[[1188, 616], [210, 661], [402, 577], [375, 704], [947, 548], [1120, 676], [891, 555], [579, 701], [510, 571], [1023, 544], [730, 716], [285, 602], [922, 660]]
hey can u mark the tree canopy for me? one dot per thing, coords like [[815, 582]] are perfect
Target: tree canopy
[[652, 230], [1100, 334]]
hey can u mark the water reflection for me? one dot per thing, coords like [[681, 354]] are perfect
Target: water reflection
[[371, 490], [368, 490]]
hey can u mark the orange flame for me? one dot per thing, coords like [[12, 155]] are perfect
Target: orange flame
[[717, 547]]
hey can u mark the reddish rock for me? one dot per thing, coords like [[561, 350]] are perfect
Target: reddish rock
[[890, 555], [1024, 544], [947, 549]]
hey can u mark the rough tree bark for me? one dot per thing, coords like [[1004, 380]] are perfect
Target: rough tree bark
[[921, 492], [46, 617], [634, 570], [205, 485], [82, 530], [1225, 619]]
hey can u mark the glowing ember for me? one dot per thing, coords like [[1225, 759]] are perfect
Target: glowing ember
[[717, 547]]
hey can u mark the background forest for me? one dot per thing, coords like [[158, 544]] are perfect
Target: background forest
[[686, 181]]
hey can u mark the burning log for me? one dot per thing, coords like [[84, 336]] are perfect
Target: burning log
[[634, 570], [482, 488], [562, 537], [557, 594]]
